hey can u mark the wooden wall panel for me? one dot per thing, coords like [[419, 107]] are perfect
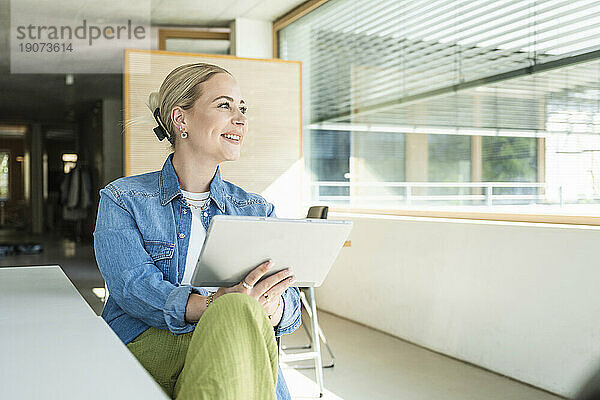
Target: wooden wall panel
[[272, 90]]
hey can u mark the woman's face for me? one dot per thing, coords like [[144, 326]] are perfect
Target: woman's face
[[216, 123]]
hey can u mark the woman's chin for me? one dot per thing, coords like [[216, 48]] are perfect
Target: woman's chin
[[231, 157]]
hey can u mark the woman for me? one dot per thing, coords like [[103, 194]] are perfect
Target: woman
[[195, 342]]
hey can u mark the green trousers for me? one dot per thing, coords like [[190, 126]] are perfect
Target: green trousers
[[232, 354]]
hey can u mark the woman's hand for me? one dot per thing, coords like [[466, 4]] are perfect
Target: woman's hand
[[267, 292]]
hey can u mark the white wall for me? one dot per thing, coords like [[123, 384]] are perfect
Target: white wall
[[519, 299], [251, 38]]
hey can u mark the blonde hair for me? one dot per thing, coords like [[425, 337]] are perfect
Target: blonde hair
[[180, 88]]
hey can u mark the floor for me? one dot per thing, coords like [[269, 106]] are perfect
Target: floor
[[373, 365], [368, 364]]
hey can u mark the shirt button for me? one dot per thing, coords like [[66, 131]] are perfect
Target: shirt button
[[184, 211], [205, 214], [181, 235]]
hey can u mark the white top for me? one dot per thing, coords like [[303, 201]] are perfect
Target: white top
[[198, 203], [52, 345]]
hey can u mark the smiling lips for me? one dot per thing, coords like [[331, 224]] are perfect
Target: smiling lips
[[232, 138]]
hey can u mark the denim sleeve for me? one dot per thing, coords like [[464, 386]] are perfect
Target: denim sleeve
[[133, 280], [291, 318]]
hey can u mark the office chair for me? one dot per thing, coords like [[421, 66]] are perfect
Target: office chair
[[318, 212], [307, 296]]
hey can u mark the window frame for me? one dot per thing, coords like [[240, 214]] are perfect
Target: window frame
[[479, 216], [199, 34]]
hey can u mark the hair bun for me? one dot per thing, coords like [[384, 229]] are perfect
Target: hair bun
[[153, 101]]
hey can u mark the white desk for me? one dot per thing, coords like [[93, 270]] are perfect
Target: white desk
[[53, 346]]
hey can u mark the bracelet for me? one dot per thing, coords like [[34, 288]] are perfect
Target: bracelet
[[276, 309], [209, 299]]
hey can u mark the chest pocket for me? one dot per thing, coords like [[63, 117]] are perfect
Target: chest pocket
[[161, 253]]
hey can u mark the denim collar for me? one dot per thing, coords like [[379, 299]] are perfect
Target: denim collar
[[168, 184]]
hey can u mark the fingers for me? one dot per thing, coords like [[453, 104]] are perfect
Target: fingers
[[273, 286], [257, 273], [277, 290], [272, 280]]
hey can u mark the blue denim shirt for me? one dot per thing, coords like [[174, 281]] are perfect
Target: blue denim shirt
[[141, 240]]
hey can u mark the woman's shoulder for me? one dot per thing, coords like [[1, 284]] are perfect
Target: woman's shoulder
[[144, 184]]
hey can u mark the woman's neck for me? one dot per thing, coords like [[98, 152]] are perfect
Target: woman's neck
[[194, 175]]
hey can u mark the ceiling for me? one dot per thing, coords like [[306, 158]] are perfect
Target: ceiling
[[216, 13], [46, 97]]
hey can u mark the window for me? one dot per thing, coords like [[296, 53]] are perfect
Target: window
[[472, 106], [205, 41], [330, 158], [508, 160], [449, 160]]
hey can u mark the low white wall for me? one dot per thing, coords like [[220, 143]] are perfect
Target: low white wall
[[519, 299]]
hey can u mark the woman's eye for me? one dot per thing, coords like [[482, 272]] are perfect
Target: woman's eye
[[223, 104], [243, 110]]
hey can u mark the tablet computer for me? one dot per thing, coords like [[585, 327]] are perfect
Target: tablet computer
[[235, 245]]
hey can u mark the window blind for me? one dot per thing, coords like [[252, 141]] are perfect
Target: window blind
[[377, 57]]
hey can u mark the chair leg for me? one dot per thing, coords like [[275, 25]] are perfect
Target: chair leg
[[303, 346], [308, 345], [316, 341], [321, 334], [307, 308]]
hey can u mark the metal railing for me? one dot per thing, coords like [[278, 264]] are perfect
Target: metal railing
[[413, 193]]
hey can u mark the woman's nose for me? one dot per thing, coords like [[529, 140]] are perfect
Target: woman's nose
[[240, 119]]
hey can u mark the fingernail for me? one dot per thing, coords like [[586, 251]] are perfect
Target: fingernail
[[269, 263]]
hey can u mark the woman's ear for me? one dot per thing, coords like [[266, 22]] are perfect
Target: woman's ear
[[178, 118]]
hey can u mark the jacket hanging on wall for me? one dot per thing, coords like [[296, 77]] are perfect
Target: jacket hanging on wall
[[75, 193]]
